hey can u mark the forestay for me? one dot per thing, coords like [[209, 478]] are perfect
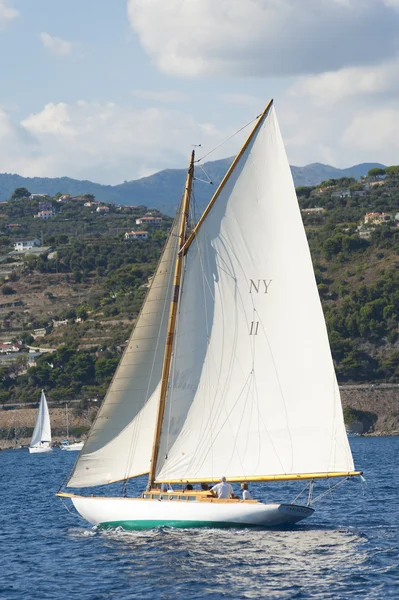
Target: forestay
[[120, 441], [252, 387], [42, 430]]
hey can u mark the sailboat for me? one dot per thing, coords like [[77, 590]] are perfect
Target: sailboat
[[41, 438], [66, 444], [228, 371]]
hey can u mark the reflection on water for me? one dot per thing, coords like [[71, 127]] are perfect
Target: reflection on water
[[301, 563]]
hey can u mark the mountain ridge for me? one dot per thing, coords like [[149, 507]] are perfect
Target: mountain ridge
[[163, 189]]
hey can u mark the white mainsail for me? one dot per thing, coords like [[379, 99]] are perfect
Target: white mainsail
[[252, 388], [42, 430], [120, 441]]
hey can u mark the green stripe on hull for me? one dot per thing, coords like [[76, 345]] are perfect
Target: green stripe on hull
[[136, 525]]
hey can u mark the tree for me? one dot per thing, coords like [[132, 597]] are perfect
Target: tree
[[7, 290], [376, 172], [81, 312], [303, 191], [20, 193], [392, 172], [26, 338]]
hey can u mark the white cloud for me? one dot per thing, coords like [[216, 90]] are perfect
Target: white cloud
[[375, 131], [330, 87], [6, 12], [264, 37], [104, 142], [343, 117], [53, 119], [165, 96], [55, 45]]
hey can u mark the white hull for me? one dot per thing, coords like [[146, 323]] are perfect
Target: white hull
[[76, 447], [136, 513], [40, 449]]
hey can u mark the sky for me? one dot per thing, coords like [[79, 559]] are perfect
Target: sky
[[114, 90]]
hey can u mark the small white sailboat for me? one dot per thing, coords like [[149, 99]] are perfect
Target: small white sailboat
[[66, 444], [71, 447], [41, 437], [228, 371]]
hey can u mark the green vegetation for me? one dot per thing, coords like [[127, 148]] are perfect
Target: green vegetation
[[366, 418], [86, 288], [356, 268]]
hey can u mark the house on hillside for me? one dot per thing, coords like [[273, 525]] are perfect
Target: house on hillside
[[102, 209], [13, 226], [8, 347], [39, 197], [376, 218], [43, 331], [136, 235], [45, 214], [151, 221], [23, 245], [324, 190], [64, 198], [316, 209], [371, 183], [57, 324], [341, 194]]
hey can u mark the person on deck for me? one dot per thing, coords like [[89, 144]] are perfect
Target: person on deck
[[222, 489], [246, 495]]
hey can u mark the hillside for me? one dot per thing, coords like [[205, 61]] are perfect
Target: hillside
[[80, 292], [163, 189]]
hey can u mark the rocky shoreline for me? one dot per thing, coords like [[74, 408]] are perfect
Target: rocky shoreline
[[382, 400]]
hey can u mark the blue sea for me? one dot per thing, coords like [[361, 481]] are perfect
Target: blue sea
[[347, 549]]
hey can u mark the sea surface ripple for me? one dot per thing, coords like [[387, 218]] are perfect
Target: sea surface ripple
[[348, 549]]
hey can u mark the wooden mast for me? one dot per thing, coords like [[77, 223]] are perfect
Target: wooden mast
[[225, 178], [172, 320]]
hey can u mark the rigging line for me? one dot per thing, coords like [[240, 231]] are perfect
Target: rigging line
[[162, 264], [224, 390], [281, 391], [135, 436], [283, 470], [172, 371], [330, 489], [243, 413], [206, 175], [209, 421], [175, 356], [229, 138], [300, 494]]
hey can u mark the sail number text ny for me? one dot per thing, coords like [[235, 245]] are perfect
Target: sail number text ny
[[259, 286]]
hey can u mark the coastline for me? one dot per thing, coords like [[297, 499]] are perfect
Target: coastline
[[380, 399]]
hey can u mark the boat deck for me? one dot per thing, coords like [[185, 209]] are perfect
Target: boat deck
[[170, 496]]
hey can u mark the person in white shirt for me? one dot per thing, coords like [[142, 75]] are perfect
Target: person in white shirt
[[245, 493], [222, 489]]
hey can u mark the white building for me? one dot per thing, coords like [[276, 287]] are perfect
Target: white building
[[341, 194], [136, 235], [39, 196], [24, 245], [45, 214], [152, 221]]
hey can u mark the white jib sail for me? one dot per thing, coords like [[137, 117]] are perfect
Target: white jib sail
[[42, 430], [120, 441], [252, 387]]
